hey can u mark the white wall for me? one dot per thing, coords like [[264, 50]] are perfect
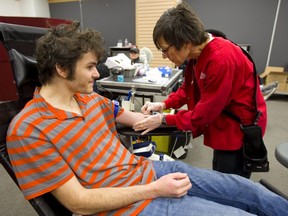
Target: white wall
[[10, 8], [24, 8]]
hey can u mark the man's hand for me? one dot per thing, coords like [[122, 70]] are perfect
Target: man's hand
[[152, 106], [172, 185], [148, 124]]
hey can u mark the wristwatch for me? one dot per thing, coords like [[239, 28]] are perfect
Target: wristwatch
[[163, 122]]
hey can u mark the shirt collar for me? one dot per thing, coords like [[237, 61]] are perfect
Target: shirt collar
[[49, 112]]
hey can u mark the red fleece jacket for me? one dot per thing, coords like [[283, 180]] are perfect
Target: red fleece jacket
[[221, 78]]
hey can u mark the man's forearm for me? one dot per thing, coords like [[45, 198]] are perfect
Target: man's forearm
[[113, 198], [90, 201], [130, 118]]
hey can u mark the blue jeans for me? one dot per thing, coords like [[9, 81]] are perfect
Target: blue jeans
[[214, 193]]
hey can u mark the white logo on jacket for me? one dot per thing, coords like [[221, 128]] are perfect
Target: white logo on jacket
[[202, 75]]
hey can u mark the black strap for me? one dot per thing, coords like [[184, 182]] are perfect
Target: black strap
[[232, 115], [255, 76], [258, 113], [225, 111]]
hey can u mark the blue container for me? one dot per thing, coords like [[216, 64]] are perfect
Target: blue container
[[120, 78], [166, 71]]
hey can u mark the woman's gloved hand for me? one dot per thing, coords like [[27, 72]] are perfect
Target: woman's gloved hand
[[148, 107], [149, 123]]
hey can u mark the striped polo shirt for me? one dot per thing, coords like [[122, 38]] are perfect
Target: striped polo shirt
[[47, 146]]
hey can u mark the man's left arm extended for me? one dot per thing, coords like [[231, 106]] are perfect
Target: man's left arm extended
[[129, 118]]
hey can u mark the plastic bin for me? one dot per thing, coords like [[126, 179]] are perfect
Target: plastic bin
[[162, 143]]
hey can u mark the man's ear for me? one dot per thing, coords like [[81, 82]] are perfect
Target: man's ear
[[61, 71]]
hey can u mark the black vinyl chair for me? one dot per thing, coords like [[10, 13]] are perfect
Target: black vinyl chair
[[45, 205], [26, 82], [25, 75], [24, 69]]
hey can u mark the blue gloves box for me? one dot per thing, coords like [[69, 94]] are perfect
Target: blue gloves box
[[166, 71]]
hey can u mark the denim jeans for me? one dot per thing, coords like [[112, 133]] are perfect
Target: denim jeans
[[214, 193]]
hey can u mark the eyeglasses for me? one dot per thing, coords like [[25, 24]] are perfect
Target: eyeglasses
[[165, 50]]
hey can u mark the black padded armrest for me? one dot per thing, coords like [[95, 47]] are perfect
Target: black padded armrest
[[161, 131], [281, 153]]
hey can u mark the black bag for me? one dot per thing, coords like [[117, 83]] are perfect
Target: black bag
[[254, 150]]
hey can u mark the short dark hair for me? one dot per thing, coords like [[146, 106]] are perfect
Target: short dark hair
[[64, 45], [179, 25], [134, 50]]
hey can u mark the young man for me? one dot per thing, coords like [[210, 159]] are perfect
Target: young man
[[65, 142], [218, 77]]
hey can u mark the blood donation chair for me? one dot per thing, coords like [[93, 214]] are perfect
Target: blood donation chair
[[44, 205], [19, 78], [22, 81]]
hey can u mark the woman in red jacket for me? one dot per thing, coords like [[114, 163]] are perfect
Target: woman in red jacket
[[218, 77]]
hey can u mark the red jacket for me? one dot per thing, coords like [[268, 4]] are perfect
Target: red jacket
[[221, 78]]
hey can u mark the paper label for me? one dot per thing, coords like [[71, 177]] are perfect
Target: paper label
[[179, 152]]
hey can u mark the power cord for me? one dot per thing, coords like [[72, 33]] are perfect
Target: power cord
[[100, 88], [182, 149]]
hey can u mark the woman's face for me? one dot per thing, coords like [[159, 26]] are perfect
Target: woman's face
[[178, 57]]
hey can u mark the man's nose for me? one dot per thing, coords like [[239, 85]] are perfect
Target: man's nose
[[96, 73]]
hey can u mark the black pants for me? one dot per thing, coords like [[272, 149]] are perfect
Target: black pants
[[229, 162]]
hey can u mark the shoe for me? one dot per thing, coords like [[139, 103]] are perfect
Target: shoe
[[269, 90]]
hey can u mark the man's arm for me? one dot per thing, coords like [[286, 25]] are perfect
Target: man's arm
[[90, 201], [130, 118]]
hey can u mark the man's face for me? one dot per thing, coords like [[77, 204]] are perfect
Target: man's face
[[134, 55], [85, 74]]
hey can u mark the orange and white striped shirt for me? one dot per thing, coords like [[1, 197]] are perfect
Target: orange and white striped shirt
[[48, 146]]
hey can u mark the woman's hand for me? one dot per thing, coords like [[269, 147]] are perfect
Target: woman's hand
[[149, 123], [148, 107]]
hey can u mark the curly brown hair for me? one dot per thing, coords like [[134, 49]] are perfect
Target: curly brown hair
[[64, 45]]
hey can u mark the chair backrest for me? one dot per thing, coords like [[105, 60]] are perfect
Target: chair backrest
[[25, 74], [21, 38], [25, 77]]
